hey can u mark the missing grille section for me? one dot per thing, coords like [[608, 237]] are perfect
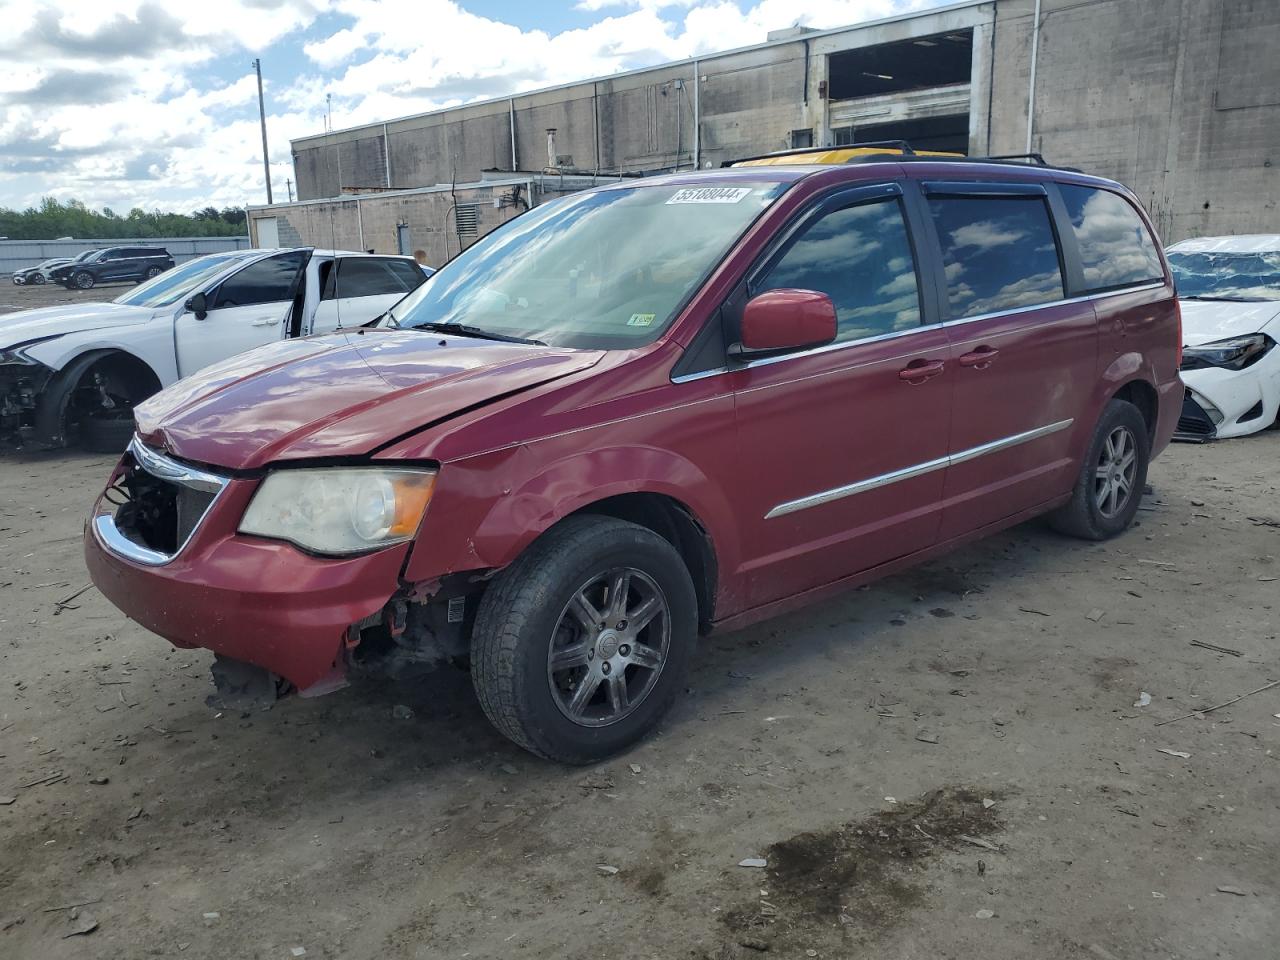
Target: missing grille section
[[155, 513]]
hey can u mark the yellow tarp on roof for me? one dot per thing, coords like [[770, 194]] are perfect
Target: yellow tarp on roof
[[833, 155]]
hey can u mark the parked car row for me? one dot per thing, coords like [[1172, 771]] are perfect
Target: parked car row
[[74, 373], [92, 267], [644, 412]]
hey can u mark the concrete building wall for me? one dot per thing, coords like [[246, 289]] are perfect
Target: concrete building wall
[[1178, 99]]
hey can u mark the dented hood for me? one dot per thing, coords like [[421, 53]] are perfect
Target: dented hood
[[339, 395]]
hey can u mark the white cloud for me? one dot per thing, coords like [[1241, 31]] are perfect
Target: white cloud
[[128, 102]]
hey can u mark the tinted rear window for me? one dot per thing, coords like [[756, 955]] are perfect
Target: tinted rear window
[[1115, 248], [1000, 253]]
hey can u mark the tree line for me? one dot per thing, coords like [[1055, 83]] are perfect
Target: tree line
[[54, 219]]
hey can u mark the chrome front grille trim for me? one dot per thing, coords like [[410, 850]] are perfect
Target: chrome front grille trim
[[172, 471]]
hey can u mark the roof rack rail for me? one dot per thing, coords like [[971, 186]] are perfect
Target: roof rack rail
[[1036, 158]]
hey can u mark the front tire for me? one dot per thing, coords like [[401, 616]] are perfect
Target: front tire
[[38, 280], [1112, 477], [151, 274], [582, 644], [83, 280]]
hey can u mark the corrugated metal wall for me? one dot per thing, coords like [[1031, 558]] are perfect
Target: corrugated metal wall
[[17, 254]]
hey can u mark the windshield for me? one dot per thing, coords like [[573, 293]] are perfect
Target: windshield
[[50, 263], [607, 269], [184, 279], [1227, 276], [87, 255]]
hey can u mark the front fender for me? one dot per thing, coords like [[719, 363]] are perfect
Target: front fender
[[151, 343], [487, 509]]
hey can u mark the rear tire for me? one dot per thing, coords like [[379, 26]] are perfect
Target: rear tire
[[536, 649], [152, 273], [1112, 477], [38, 280]]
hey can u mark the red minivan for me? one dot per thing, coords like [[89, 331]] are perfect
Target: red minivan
[[644, 412]]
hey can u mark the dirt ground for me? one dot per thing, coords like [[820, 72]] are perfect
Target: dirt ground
[[948, 764]]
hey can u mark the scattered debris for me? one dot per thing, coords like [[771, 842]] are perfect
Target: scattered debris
[[987, 803], [137, 812], [1144, 700], [8, 922], [635, 767], [985, 914], [926, 736], [60, 605], [941, 613], [82, 924], [607, 869], [1039, 613], [99, 781], [401, 712], [71, 906], [298, 951], [597, 781], [213, 915], [1216, 648], [978, 842], [51, 778], [508, 768], [1219, 706], [1095, 614], [1264, 521], [1234, 891], [758, 862], [1174, 753], [754, 943], [5, 801]]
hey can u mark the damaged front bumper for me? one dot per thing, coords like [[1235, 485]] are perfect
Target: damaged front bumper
[[22, 383], [258, 601]]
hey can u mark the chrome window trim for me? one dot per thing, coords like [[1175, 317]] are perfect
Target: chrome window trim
[[918, 470], [174, 471], [830, 347]]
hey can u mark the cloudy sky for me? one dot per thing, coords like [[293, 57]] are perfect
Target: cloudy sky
[[150, 104]]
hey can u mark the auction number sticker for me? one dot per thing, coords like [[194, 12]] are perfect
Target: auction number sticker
[[709, 194], [641, 320]]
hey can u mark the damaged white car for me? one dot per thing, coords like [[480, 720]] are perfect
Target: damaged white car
[[72, 374], [1229, 290]]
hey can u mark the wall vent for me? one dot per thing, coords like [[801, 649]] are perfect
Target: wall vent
[[466, 217]]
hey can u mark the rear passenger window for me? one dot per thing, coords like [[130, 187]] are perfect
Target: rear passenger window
[[1115, 248], [1000, 253], [859, 256], [369, 277]]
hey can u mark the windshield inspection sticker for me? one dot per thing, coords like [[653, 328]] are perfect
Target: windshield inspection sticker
[[709, 195], [641, 320]]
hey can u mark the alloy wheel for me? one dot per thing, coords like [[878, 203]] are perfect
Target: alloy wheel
[[609, 647], [1114, 473]]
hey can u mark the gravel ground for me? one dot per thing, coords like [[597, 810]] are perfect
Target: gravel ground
[[949, 763], [29, 297]]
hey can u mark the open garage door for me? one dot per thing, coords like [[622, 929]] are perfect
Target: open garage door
[[915, 90]]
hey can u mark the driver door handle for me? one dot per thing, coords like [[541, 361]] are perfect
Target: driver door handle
[[264, 321]]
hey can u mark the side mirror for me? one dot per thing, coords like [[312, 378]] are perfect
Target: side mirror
[[779, 321], [199, 305]]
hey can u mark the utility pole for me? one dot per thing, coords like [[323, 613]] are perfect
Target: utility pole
[[262, 114], [289, 184], [328, 112]]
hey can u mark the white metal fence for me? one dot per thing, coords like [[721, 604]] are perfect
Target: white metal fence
[[19, 254]]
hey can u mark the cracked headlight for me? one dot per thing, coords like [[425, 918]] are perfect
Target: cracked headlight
[[340, 510]]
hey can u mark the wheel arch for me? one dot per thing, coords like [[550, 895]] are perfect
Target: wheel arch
[[672, 520], [51, 406], [1142, 395]]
